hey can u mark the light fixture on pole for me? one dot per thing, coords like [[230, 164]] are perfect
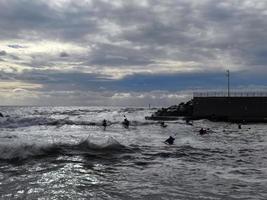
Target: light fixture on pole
[[228, 83]]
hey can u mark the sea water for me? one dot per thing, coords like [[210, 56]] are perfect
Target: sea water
[[65, 153]]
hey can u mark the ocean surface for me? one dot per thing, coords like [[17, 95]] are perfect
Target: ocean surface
[[65, 153]]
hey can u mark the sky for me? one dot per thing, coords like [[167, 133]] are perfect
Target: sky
[[128, 52]]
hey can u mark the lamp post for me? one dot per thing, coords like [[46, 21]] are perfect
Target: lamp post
[[228, 83]]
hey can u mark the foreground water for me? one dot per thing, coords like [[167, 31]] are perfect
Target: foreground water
[[64, 153]]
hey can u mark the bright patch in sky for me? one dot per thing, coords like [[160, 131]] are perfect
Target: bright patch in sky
[[55, 49]]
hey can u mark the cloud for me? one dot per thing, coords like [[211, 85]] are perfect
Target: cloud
[[20, 96], [64, 54], [16, 46], [132, 45], [11, 85], [3, 53], [127, 33]]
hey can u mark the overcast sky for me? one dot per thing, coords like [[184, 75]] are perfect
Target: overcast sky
[[128, 52]]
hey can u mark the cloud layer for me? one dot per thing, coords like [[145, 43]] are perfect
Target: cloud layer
[[118, 47]]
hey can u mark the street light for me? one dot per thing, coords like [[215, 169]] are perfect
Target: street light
[[228, 88]]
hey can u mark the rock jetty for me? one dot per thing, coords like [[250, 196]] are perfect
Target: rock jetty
[[184, 110]]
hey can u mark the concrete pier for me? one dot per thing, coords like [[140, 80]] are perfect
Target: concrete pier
[[233, 108]]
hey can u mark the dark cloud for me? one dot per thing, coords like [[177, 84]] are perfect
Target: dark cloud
[[178, 29], [16, 46], [42, 20], [14, 57], [135, 35], [64, 54], [77, 81], [3, 53], [114, 55]]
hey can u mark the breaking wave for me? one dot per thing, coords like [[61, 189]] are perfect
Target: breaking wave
[[16, 122], [17, 152], [39, 121], [109, 144], [75, 112]]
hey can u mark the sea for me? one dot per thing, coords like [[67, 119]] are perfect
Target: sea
[[65, 153]]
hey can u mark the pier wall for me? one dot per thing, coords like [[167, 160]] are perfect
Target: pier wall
[[231, 108]]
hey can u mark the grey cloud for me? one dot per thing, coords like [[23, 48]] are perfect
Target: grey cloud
[[14, 57], [211, 33], [16, 46], [95, 98], [57, 80], [42, 20], [114, 55], [3, 53], [183, 30], [64, 54]]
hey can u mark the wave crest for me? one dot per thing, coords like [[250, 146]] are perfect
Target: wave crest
[[24, 151], [39, 121], [16, 122], [109, 144]]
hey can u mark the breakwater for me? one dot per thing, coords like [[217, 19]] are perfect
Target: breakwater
[[230, 108], [236, 108]]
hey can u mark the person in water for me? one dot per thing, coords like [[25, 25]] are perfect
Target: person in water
[[188, 122], [126, 122], [202, 131], [163, 125], [170, 140], [104, 124]]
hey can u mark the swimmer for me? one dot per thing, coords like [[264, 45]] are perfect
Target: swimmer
[[163, 125], [202, 131], [126, 122], [170, 140], [104, 124]]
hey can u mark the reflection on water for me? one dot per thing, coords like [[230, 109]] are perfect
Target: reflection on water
[[81, 161]]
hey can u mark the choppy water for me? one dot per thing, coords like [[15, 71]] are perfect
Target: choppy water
[[64, 153]]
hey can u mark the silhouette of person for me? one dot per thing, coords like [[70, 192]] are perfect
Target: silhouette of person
[[170, 140], [202, 131], [163, 125], [104, 124], [239, 126], [126, 122], [187, 121]]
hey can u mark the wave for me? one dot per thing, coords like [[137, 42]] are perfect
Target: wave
[[16, 122], [23, 151], [18, 152], [110, 144], [131, 110], [74, 112]]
